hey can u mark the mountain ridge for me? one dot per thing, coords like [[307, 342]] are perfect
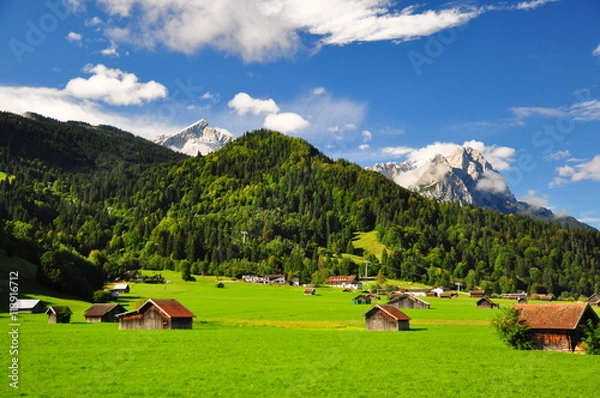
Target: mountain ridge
[[466, 177]]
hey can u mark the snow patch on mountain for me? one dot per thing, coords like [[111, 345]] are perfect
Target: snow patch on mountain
[[200, 137]]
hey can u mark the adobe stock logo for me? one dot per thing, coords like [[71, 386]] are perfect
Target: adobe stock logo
[[36, 33]]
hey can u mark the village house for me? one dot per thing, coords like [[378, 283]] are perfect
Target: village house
[[485, 302], [345, 282], [556, 327], [408, 301], [157, 314], [272, 279], [30, 306], [479, 293], [59, 314], [386, 317], [513, 296], [119, 288], [103, 312]]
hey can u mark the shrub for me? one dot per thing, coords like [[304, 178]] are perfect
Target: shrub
[[511, 331], [102, 296], [591, 332]]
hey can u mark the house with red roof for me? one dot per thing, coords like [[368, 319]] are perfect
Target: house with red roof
[[157, 314], [556, 327]]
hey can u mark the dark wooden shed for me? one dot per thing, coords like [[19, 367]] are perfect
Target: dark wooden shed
[[386, 317], [485, 302], [310, 291], [409, 301], [556, 327], [361, 299], [594, 300], [59, 314], [157, 314], [103, 312]]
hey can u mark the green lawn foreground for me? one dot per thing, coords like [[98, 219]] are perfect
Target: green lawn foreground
[[272, 341]]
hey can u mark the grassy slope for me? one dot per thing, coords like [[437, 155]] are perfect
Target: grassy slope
[[255, 340]]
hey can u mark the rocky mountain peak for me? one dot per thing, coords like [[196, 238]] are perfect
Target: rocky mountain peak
[[200, 137]]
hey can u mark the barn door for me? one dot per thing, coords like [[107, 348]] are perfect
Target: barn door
[[153, 320]]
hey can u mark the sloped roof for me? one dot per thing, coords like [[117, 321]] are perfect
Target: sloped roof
[[102, 309], [390, 311], [170, 308], [59, 310], [120, 286], [485, 300], [27, 304], [410, 297], [554, 316]]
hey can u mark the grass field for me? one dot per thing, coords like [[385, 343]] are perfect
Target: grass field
[[272, 341]]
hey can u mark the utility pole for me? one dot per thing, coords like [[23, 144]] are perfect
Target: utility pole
[[367, 262]]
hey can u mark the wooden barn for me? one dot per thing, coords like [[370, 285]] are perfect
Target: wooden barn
[[30, 306], [157, 314], [409, 301], [345, 282], [386, 317], [485, 302], [479, 293], [103, 312], [59, 314], [310, 291], [594, 300], [361, 299], [556, 327]]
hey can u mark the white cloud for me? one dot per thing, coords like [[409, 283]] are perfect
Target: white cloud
[[110, 51], [524, 112], [535, 199], [580, 172], [243, 104], [585, 111], [261, 30], [596, 52], [318, 91], [286, 122], [73, 37], [60, 105], [500, 157], [363, 147], [533, 4], [114, 87], [367, 135], [558, 155], [492, 182]]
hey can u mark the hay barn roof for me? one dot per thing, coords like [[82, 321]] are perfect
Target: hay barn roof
[[102, 309], [389, 311], [58, 310], [170, 307], [553, 316], [27, 304]]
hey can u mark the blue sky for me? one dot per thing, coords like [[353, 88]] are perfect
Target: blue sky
[[367, 80]]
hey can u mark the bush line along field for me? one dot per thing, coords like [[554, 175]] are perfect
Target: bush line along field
[[260, 340]]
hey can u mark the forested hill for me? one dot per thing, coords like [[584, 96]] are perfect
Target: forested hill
[[269, 203]]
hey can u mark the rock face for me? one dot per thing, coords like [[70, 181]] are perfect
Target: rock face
[[197, 138], [465, 177]]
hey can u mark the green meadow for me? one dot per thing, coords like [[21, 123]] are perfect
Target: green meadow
[[273, 341]]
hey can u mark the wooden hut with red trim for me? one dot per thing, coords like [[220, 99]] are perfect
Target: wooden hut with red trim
[[556, 327], [103, 312], [157, 314], [386, 317]]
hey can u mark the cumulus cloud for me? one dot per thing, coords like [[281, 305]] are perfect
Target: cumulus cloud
[[596, 52], [73, 37], [579, 172], [243, 104], [260, 30], [114, 87], [60, 105], [286, 122], [318, 90]]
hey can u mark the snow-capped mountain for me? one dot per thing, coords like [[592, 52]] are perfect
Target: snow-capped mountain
[[465, 177], [197, 138]]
